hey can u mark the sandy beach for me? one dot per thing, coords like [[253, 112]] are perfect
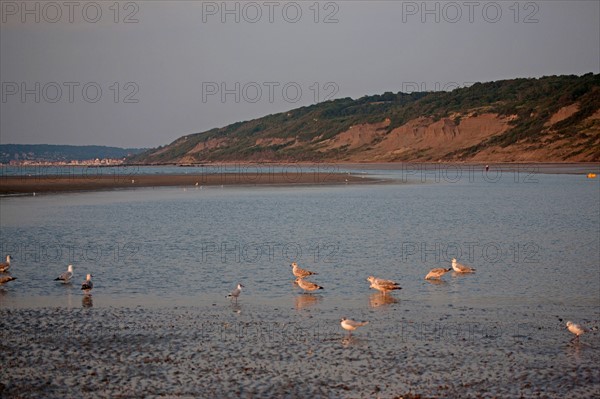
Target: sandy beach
[[251, 174], [42, 184], [265, 351]]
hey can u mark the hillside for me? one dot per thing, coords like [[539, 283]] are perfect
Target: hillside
[[61, 153], [550, 119]]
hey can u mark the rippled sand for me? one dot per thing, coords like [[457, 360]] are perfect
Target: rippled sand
[[294, 350]]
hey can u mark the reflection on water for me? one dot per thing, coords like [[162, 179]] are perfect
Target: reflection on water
[[436, 281], [352, 340], [377, 300], [86, 301], [578, 350], [456, 274], [303, 301]]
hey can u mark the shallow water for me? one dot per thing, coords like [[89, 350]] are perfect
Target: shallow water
[[534, 240]]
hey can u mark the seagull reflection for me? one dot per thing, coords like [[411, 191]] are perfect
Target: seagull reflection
[[436, 282], [377, 299], [351, 340], [87, 301], [235, 307], [305, 301]]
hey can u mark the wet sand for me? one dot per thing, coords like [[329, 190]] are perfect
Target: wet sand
[[272, 351], [41, 184], [12, 185]]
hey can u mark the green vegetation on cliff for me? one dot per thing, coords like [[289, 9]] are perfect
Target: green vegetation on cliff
[[300, 134]]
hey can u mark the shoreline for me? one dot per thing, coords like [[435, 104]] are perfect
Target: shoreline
[[15, 185], [250, 174], [328, 167]]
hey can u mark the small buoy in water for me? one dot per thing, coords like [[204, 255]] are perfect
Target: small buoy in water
[[591, 175]]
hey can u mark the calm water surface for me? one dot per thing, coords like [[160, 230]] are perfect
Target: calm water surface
[[533, 240]]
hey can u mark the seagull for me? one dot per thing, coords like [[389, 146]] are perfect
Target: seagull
[[437, 273], [351, 325], [383, 285], [460, 268], [87, 285], [236, 292], [4, 266], [6, 279], [299, 272], [576, 329], [66, 276], [307, 285]]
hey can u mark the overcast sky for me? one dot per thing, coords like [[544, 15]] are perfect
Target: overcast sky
[[147, 72]]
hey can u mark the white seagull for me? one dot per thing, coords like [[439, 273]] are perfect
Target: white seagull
[[460, 268], [4, 266], [66, 276], [351, 325], [236, 292], [87, 285], [6, 279], [437, 273], [299, 272], [576, 329]]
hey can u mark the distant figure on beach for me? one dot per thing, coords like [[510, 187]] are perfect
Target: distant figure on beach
[[487, 167], [4, 266], [236, 292]]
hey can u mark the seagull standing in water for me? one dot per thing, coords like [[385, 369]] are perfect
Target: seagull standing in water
[[6, 279], [351, 325], [66, 276], [460, 268], [236, 292], [383, 285], [87, 285], [299, 272], [576, 329], [437, 273], [4, 266], [307, 285]]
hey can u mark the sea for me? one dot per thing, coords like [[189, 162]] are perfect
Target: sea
[[532, 237]]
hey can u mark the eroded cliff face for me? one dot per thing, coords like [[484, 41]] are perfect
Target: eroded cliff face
[[474, 136], [448, 139], [425, 139]]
